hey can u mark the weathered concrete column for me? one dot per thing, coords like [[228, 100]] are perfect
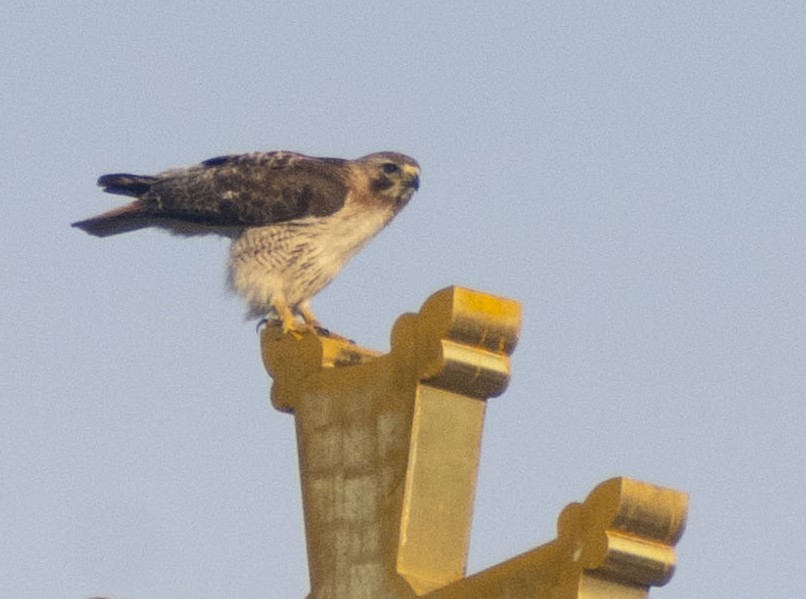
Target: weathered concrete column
[[389, 452]]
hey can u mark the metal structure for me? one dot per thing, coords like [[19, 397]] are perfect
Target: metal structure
[[389, 452]]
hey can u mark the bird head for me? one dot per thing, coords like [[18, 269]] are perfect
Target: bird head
[[393, 176]]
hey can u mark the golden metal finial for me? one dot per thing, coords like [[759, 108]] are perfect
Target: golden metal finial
[[389, 449]]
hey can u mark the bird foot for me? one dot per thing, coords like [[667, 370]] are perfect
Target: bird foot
[[261, 324], [323, 332], [297, 330], [297, 333]]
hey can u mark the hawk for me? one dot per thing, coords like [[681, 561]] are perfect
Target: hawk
[[294, 220]]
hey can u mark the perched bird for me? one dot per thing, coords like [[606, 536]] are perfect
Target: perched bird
[[294, 220]]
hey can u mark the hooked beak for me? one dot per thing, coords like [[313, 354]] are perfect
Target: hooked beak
[[413, 175]]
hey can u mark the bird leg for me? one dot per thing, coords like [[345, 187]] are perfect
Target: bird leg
[[289, 322], [307, 315]]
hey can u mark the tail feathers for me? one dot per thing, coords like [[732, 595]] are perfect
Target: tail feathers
[[125, 184], [127, 218], [120, 220]]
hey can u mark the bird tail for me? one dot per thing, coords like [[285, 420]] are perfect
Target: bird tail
[[130, 217], [127, 218]]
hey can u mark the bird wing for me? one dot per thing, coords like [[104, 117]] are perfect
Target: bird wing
[[254, 189], [251, 189]]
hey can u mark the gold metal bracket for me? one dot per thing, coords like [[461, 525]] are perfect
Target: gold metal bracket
[[389, 451]]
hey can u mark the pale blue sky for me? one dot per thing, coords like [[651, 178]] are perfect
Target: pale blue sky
[[632, 172]]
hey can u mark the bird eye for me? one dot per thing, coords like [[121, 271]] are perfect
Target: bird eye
[[390, 167]]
